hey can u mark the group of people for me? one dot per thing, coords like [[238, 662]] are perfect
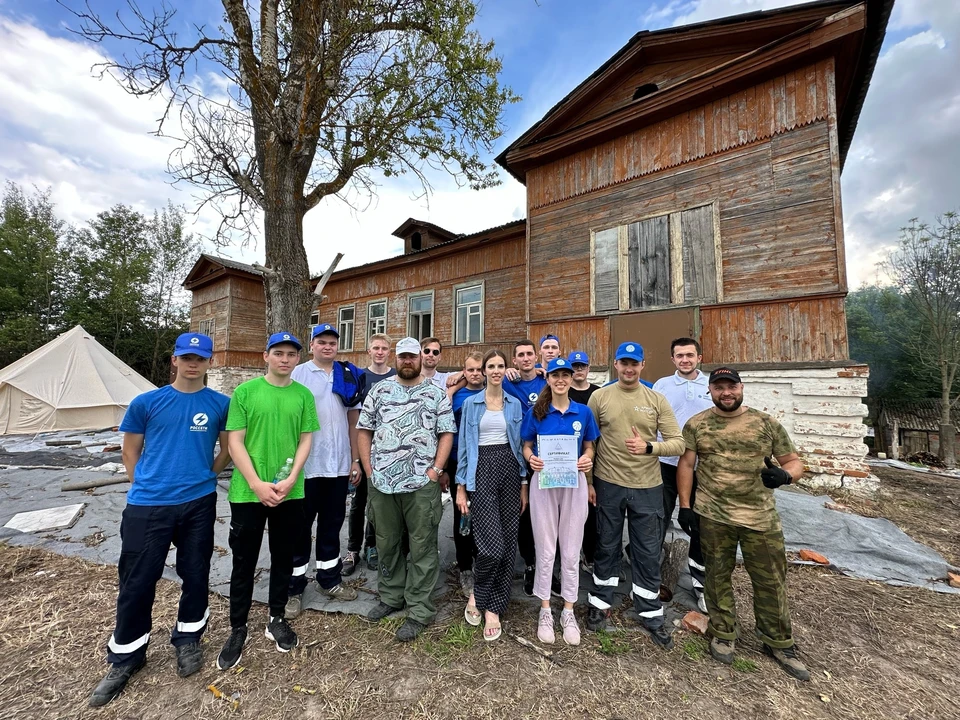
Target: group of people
[[538, 459]]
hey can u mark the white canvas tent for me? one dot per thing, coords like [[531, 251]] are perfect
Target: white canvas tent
[[71, 383]]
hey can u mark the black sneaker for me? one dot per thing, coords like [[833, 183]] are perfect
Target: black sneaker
[[555, 587], [114, 682], [189, 659], [232, 649], [529, 573], [788, 660], [350, 561], [597, 619], [279, 630], [661, 636], [381, 611], [410, 630]]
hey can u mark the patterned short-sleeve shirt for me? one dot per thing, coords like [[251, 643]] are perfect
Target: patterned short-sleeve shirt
[[731, 452], [406, 422]]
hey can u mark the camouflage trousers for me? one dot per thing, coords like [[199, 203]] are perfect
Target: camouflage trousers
[[765, 561]]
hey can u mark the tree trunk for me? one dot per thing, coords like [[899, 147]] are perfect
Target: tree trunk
[[287, 283], [948, 433]]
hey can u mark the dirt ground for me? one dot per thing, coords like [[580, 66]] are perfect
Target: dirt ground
[[874, 652]]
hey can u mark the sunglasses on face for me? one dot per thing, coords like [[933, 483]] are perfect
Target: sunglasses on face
[[431, 352]]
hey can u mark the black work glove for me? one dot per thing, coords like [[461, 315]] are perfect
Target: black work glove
[[688, 521], [773, 476]]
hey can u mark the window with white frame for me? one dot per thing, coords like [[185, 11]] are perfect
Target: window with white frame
[[314, 320], [468, 320], [345, 317], [376, 317], [420, 315]]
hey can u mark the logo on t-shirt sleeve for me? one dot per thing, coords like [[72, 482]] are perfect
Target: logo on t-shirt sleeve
[[200, 421]]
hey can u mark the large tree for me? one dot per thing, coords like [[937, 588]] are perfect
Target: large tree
[[926, 268], [319, 97]]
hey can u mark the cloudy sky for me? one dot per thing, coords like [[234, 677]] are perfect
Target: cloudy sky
[[61, 127]]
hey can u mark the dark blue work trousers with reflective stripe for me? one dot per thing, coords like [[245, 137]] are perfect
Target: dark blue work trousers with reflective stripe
[[643, 508], [146, 533], [325, 501]]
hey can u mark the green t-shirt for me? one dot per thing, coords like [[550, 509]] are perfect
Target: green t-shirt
[[274, 417], [730, 451]]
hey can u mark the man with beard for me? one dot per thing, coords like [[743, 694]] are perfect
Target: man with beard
[[406, 432], [735, 506], [687, 392]]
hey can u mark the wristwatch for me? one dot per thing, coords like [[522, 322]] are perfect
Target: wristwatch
[[649, 447], [438, 471]]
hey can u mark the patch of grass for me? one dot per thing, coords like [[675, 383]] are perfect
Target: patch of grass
[[613, 642], [695, 649], [456, 640], [744, 665], [392, 623]]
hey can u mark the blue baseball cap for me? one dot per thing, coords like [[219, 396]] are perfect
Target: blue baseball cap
[[193, 344], [629, 351], [558, 364], [549, 337], [325, 328], [579, 357], [284, 337]]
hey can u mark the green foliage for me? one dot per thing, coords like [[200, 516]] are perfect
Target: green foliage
[[695, 648], [881, 329], [745, 666], [120, 278], [613, 642]]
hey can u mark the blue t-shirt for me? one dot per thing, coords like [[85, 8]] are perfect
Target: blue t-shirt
[[578, 420], [526, 391], [180, 431], [457, 401]]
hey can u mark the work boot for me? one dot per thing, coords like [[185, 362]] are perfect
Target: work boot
[[350, 561], [294, 606], [381, 611], [189, 659], [410, 630], [597, 619], [722, 650], [232, 649], [114, 682], [788, 660], [661, 636], [339, 592], [279, 630], [373, 558]]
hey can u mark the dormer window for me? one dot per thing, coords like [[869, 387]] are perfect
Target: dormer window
[[644, 90], [416, 241]]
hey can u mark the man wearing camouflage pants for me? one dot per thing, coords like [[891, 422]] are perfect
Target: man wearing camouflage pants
[[735, 505]]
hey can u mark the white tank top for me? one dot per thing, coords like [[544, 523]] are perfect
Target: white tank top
[[493, 428]]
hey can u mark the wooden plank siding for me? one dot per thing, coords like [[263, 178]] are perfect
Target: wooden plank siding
[[500, 266], [776, 208], [794, 330], [781, 104], [591, 335]]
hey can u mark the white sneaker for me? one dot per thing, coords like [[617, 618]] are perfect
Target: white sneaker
[[545, 627], [571, 631]]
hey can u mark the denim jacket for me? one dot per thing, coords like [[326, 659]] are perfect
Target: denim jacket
[[469, 441]]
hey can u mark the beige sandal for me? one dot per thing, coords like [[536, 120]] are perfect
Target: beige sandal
[[492, 632], [471, 615]]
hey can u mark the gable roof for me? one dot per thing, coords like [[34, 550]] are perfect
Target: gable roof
[[912, 414], [208, 268], [410, 223], [761, 40]]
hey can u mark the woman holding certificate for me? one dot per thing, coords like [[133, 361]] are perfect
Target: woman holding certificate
[[490, 469], [558, 437]]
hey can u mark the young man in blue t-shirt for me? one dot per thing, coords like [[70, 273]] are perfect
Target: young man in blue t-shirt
[[169, 439]]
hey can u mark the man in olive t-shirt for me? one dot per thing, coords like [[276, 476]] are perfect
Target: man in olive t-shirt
[[271, 421], [735, 506]]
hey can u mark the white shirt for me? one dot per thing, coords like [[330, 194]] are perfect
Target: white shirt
[[330, 453], [686, 398], [493, 428], [440, 380]]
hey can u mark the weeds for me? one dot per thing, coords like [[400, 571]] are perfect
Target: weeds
[[744, 665], [613, 642], [695, 649]]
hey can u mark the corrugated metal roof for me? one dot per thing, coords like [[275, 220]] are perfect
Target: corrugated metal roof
[[232, 264], [913, 414]]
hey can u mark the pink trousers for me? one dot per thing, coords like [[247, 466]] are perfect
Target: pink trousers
[[558, 514]]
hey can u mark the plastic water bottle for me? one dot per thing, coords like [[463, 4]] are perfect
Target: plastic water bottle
[[284, 472], [465, 523]]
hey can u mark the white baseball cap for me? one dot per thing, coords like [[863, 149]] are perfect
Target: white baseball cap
[[408, 345]]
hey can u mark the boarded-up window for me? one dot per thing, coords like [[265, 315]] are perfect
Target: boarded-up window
[[208, 327], [659, 261]]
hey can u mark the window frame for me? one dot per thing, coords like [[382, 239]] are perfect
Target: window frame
[[386, 308], [202, 329], [456, 307], [676, 259], [341, 344], [433, 311]]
